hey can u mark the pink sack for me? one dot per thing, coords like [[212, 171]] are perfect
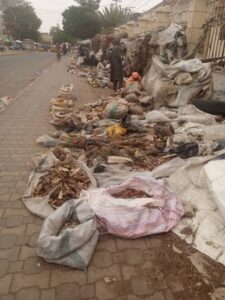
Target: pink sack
[[133, 218]]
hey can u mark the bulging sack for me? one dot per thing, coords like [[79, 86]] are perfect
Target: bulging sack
[[159, 211], [74, 246], [115, 110]]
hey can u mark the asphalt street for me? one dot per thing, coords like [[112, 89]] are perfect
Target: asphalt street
[[18, 71]]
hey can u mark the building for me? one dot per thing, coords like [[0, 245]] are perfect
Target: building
[[46, 38]]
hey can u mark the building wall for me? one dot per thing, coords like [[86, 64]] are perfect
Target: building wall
[[192, 15]]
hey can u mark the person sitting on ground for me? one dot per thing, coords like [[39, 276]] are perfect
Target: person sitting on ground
[[134, 80]]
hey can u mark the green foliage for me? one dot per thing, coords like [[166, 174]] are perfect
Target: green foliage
[[58, 35], [80, 23], [113, 16], [90, 4], [22, 22], [4, 4]]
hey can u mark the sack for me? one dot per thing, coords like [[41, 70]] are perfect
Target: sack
[[155, 116], [39, 205], [137, 217], [131, 98], [115, 110], [136, 109], [183, 78], [146, 100], [72, 247]]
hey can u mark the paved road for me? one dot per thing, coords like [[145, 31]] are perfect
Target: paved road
[[18, 71]]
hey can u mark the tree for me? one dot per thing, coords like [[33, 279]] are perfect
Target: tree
[[80, 22], [90, 4], [113, 16], [58, 35], [22, 22], [4, 4]]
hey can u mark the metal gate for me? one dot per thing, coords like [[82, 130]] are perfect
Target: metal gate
[[214, 45]]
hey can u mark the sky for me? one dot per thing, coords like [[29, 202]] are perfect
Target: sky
[[49, 11]]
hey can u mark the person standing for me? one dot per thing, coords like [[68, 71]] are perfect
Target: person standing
[[58, 52], [116, 75], [64, 49]]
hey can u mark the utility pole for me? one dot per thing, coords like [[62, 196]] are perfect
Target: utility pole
[[1, 24], [116, 2]]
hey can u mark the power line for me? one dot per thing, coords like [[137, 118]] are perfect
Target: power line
[[144, 4], [134, 2], [117, 1], [48, 10]]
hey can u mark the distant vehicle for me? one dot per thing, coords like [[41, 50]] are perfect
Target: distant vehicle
[[28, 45], [17, 45], [43, 47]]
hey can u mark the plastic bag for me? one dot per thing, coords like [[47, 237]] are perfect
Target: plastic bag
[[156, 116], [2, 106], [47, 141], [116, 131], [6, 100]]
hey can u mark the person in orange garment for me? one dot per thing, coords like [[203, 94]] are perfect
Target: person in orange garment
[[134, 78]]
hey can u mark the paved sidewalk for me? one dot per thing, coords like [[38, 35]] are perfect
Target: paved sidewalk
[[146, 268]]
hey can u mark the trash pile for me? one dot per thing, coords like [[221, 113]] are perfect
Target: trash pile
[[72, 66], [138, 158], [108, 132], [179, 83], [99, 77]]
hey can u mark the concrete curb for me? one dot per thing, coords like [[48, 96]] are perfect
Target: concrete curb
[[14, 53]]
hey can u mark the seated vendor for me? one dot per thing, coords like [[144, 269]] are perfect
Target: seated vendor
[[134, 79]]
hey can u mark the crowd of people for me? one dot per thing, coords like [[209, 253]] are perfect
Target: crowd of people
[[114, 52]]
